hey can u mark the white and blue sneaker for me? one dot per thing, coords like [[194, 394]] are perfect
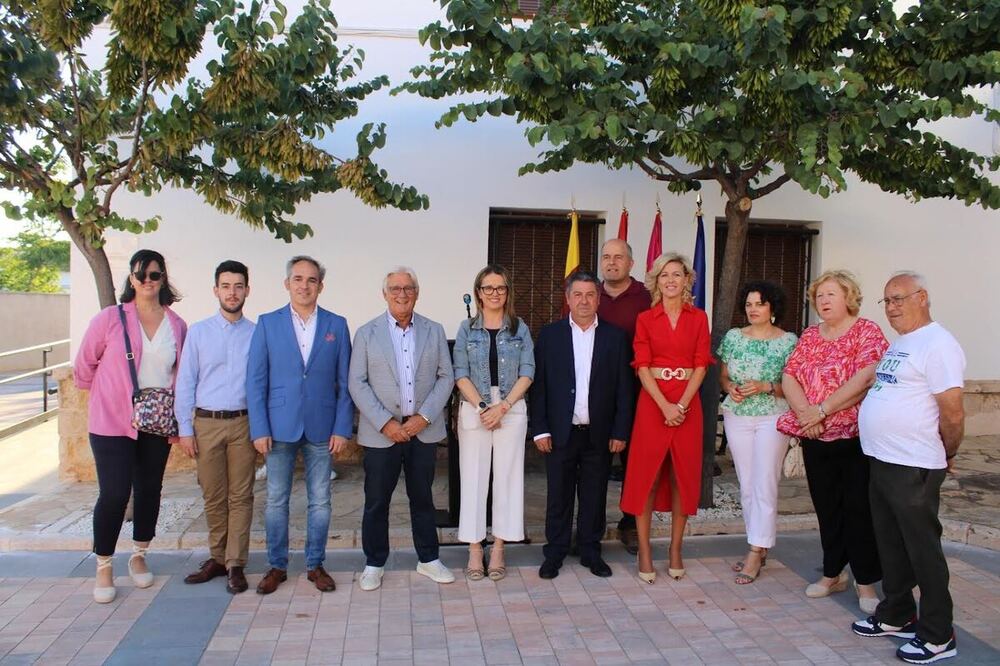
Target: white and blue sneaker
[[919, 651], [873, 627]]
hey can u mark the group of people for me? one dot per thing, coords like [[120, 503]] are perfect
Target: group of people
[[877, 424]]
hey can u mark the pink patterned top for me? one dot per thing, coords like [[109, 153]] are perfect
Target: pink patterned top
[[821, 366]]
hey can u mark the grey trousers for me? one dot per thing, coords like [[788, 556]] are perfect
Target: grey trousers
[[904, 503]]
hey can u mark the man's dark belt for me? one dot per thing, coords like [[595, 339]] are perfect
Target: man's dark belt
[[221, 414], [581, 426]]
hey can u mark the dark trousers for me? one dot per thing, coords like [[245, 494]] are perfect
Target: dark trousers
[[627, 521], [416, 460], [580, 468], [127, 467], [838, 473], [905, 504]]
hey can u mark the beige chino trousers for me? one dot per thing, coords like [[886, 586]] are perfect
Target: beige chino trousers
[[226, 460]]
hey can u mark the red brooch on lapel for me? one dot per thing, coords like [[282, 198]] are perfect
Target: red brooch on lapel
[[330, 337]]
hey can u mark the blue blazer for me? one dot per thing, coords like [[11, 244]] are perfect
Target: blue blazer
[[288, 399], [552, 395]]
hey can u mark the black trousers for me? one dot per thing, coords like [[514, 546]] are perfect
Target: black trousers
[[627, 521], [581, 469], [905, 504], [125, 467], [416, 460], [838, 474]]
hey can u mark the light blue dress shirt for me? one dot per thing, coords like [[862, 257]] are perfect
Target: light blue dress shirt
[[403, 341], [213, 369]]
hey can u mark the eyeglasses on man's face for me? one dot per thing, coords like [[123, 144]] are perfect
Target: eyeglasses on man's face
[[396, 290], [897, 300], [154, 276], [490, 290]]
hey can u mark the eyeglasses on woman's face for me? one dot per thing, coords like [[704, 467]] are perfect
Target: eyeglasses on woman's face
[[489, 290], [153, 276]]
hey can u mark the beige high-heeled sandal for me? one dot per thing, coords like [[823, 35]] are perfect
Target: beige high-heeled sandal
[[141, 580], [648, 577], [104, 595]]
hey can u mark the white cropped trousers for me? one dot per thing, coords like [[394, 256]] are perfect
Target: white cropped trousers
[[758, 450]]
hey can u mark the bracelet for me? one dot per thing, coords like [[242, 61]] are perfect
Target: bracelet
[[822, 412], [505, 401], [770, 391], [682, 408]]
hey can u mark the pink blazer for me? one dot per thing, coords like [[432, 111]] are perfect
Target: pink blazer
[[101, 367]]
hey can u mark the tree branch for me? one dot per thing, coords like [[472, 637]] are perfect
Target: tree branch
[[137, 132], [77, 156], [700, 174], [759, 192]]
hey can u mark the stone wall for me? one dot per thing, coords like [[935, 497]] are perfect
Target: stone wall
[[75, 460], [982, 407]]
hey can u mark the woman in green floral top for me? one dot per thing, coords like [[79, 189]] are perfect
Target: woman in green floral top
[[753, 358]]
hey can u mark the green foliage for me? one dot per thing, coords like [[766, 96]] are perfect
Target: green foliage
[[247, 138], [750, 94]]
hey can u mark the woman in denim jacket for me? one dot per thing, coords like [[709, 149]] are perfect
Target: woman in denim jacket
[[494, 366]]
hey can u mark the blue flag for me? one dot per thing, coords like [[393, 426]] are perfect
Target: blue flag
[[699, 265]]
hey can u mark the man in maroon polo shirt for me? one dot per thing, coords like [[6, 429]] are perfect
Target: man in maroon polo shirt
[[622, 300]]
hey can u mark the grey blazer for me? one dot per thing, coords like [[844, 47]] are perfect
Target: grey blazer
[[373, 379]]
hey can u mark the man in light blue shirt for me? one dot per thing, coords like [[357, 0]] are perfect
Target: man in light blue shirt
[[211, 409]]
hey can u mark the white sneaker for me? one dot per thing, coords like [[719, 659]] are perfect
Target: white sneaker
[[333, 474], [436, 571], [371, 578], [261, 473]]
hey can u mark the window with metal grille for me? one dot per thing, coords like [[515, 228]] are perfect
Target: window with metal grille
[[778, 251], [532, 246]]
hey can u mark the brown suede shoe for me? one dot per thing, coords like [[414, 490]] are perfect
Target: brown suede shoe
[[209, 569], [321, 579], [236, 581], [271, 580]]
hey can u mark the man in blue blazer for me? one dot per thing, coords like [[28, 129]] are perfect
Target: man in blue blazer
[[298, 400], [581, 413]]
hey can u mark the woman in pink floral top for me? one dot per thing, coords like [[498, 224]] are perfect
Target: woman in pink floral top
[[824, 381]]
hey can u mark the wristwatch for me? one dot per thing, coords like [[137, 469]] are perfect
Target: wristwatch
[[482, 406], [822, 412]]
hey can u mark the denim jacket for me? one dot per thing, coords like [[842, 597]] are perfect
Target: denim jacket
[[515, 356]]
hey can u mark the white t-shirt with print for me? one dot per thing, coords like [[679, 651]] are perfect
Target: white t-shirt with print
[[899, 417]]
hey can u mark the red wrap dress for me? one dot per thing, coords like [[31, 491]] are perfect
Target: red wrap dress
[[659, 345]]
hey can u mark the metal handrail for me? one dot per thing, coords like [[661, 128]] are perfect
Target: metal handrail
[[39, 371], [44, 345]]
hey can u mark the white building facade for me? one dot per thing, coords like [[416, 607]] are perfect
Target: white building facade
[[470, 169]]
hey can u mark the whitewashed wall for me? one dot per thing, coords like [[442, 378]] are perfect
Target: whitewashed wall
[[471, 167]]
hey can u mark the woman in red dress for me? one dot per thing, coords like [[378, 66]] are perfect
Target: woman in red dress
[[672, 350]]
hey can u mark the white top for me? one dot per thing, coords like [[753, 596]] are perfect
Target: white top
[[158, 357], [305, 332], [899, 418], [403, 341], [583, 355]]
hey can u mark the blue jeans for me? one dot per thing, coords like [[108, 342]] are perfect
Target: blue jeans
[[280, 465]]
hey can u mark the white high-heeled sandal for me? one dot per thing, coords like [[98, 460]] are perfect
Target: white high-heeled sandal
[[141, 580], [104, 595]]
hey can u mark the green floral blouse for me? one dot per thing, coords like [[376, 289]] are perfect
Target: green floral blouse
[[758, 360]]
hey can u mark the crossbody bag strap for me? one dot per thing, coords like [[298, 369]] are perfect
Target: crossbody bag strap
[[129, 355]]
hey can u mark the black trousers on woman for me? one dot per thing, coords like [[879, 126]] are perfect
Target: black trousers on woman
[[125, 465], [838, 475]]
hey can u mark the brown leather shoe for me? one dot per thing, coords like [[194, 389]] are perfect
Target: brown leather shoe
[[630, 538], [321, 579], [209, 569], [236, 581], [271, 580]]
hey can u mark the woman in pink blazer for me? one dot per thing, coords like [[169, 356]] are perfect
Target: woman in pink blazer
[[129, 462]]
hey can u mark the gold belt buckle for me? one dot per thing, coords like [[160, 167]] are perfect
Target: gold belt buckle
[[667, 374]]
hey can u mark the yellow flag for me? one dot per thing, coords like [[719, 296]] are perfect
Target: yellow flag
[[573, 250]]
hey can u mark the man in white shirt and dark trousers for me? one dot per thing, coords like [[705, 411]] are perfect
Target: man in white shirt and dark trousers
[[211, 410], [911, 424]]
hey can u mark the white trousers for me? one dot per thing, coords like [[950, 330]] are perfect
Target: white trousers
[[758, 451], [504, 447]]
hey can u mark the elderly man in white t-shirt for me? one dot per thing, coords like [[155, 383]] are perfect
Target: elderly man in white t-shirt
[[911, 423]]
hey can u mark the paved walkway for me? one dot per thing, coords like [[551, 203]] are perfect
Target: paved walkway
[[47, 616]]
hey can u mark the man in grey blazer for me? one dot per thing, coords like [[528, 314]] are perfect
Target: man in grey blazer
[[400, 379]]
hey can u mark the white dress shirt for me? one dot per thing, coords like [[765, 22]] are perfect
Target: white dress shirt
[[403, 341], [583, 358], [305, 332]]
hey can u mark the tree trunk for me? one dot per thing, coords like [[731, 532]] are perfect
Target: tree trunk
[[96, 258], [737, 218]]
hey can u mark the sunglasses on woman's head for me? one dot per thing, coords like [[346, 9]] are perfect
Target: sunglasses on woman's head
[[154, 276]]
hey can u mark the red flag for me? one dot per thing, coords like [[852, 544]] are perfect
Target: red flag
[[623, 226], [655, 241]]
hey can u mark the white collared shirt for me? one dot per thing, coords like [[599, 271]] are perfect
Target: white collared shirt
[[583, 359], [305, 332], [403, 341], [583, 356]]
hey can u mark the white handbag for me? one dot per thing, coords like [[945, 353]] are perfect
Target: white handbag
[[794, 466]]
